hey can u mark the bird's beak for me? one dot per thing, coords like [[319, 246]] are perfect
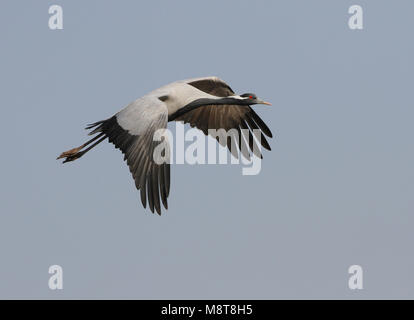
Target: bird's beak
[[264, 102]]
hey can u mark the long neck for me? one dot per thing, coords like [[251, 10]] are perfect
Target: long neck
[[205, 102]]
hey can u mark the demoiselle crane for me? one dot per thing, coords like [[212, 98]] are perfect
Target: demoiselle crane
[[205, 103]]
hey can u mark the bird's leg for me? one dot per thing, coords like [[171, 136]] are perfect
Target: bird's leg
[[76, 153]]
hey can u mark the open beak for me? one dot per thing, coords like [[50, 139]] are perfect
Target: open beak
[[264, 102]]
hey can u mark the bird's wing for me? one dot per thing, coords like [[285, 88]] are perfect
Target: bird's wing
[[132, 131], [227, 117], [211, 85], [231, 117]]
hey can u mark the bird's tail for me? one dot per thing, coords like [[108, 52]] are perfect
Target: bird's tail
[[76, 153]]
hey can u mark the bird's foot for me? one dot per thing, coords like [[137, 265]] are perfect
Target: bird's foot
[[71, 154]]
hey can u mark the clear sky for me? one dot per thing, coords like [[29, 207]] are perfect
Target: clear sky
[[336, 190]]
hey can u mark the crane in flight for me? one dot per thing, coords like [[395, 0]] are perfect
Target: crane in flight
[[205, 103]]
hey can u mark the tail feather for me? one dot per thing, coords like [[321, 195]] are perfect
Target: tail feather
[[96, 125]]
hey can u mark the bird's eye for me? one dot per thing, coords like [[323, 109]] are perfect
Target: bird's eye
[[250, 97]]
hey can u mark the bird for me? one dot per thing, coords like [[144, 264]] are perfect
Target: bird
[[205, 103]]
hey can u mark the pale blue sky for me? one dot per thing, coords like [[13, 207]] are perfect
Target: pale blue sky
[[336, 189]]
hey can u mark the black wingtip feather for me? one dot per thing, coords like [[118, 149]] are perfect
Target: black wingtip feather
[[261, 124]]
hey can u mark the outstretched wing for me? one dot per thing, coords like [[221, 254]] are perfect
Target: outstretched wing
[[227, 117], [211, 85], [241, 118], [132, 131]]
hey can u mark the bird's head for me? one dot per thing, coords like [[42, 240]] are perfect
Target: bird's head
[[251, 98]]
